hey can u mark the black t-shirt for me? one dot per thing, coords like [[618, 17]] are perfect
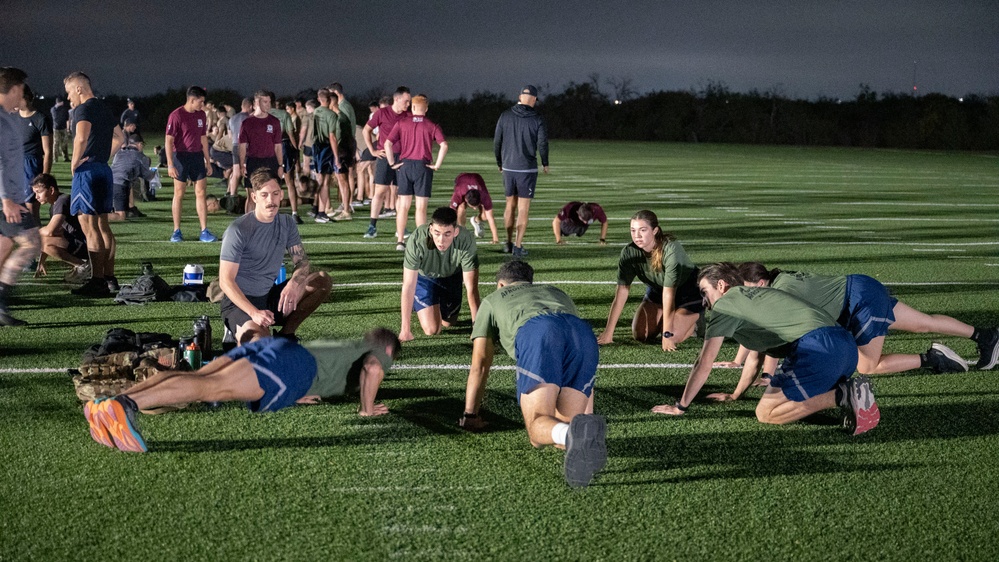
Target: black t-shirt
[[102, 124], [70, 224], [60, 117], [33, 129]]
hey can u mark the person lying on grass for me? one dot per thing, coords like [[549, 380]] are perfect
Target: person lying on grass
[[268, 374], [671, 308], [820, 356], [556, 356]]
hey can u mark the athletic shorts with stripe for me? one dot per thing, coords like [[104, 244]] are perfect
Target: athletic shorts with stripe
[[285, 371], [869, 308], [557, 349], [817, 362], [92, 191]]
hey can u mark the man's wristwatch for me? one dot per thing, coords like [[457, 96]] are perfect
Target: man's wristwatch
[[667, 334]]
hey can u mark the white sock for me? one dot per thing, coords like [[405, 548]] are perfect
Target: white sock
[[559, 432]]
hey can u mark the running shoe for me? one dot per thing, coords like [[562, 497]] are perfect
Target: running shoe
[[372, 232], [98, 432], [476, 227], [342, 216], [177, 236], [507, 247], [112, 283], [298, 219], [322, 218], [134, 213], [861, 411], [207, 236], [79, 273], [400, 247], [519, 252], [119, 419], [988, 349], [367, 202], [585, 449], [9, 321], [356, 204], [942, 359]]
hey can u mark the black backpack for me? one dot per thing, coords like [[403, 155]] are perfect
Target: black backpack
[[145, 288]]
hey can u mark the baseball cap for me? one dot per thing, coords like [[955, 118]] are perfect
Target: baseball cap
[[130, 121], [529, 90]]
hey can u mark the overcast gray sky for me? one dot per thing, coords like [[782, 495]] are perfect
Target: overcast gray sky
[[803, 48]]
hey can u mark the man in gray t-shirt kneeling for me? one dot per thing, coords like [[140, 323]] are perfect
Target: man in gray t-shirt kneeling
[[253, 249]]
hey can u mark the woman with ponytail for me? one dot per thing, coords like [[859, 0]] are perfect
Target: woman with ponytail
[[672, 304]]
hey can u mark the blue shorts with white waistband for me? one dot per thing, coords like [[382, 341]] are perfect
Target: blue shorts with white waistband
[[557, 349], [285, 371]]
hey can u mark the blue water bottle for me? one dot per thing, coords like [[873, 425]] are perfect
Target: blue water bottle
[[282, 275]]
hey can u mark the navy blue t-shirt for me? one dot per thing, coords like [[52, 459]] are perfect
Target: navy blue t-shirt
[[102, 124]]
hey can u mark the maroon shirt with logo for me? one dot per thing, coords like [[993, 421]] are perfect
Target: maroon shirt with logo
[[260, 134], [569, 212], [187, 128], [385, 119], [415, 138]]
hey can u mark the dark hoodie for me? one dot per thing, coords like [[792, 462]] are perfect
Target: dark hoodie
[[520, 134]]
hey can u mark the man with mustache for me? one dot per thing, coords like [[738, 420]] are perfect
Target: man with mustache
[[253, 250]]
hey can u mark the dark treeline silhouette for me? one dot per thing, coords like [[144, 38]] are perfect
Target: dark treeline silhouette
[[712, 114]]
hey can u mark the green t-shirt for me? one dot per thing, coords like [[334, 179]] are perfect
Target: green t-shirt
[[308, 125], [503, 312], [763, 319], [827, 292], [677, 267], [324, 125], [347, 109], [339, 365], [342, 131], [287, 126], [423, 255]]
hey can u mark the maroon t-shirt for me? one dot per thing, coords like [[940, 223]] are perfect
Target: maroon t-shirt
[[260, 134], [385, 119], [415, 138], [467, 182], [569, 212], [187, 128]]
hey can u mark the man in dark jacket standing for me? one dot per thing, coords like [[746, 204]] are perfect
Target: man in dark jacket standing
[[520, 137]]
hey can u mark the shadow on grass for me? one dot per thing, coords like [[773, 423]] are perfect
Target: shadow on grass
[[775, 451]]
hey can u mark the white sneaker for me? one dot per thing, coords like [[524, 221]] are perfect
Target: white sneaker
[[477, 227], [79, 273]]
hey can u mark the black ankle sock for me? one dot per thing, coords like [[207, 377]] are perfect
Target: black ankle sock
[[924, 360], [127, 402], [839, 394], [374, 222]]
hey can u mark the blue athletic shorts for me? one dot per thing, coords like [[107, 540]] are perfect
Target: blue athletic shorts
[[817, 362], [32, 167], [289, 154], [190, 166], [557, 349], [384, 174], [92, 191], [414, 178], [307, 151], [285, 371], [869, 309], [443, 291], [322, 159], [520, 184], [688, 295]]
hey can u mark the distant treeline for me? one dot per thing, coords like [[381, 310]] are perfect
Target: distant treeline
[[712, 114]]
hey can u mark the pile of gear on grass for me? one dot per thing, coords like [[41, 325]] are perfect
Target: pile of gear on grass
[[125, 358]]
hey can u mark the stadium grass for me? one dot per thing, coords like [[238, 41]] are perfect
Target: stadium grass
[[320, 482]]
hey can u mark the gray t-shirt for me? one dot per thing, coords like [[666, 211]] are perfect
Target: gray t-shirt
[[11, 158], [235, 123], [258, 248]]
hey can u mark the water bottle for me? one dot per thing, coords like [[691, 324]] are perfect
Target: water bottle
[[193, 355], [203, 336], [155, 183], [194, 274], [182, 354], [282, 275]]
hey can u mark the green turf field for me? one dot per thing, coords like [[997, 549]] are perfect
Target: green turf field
[[320, 483]]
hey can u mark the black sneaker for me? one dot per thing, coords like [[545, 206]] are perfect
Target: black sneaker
[[298, 219], [95, 288], [507, 247], [7, 320], [112, 282], [585, 449], [988, 349], [134, 213], [942, 359]]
